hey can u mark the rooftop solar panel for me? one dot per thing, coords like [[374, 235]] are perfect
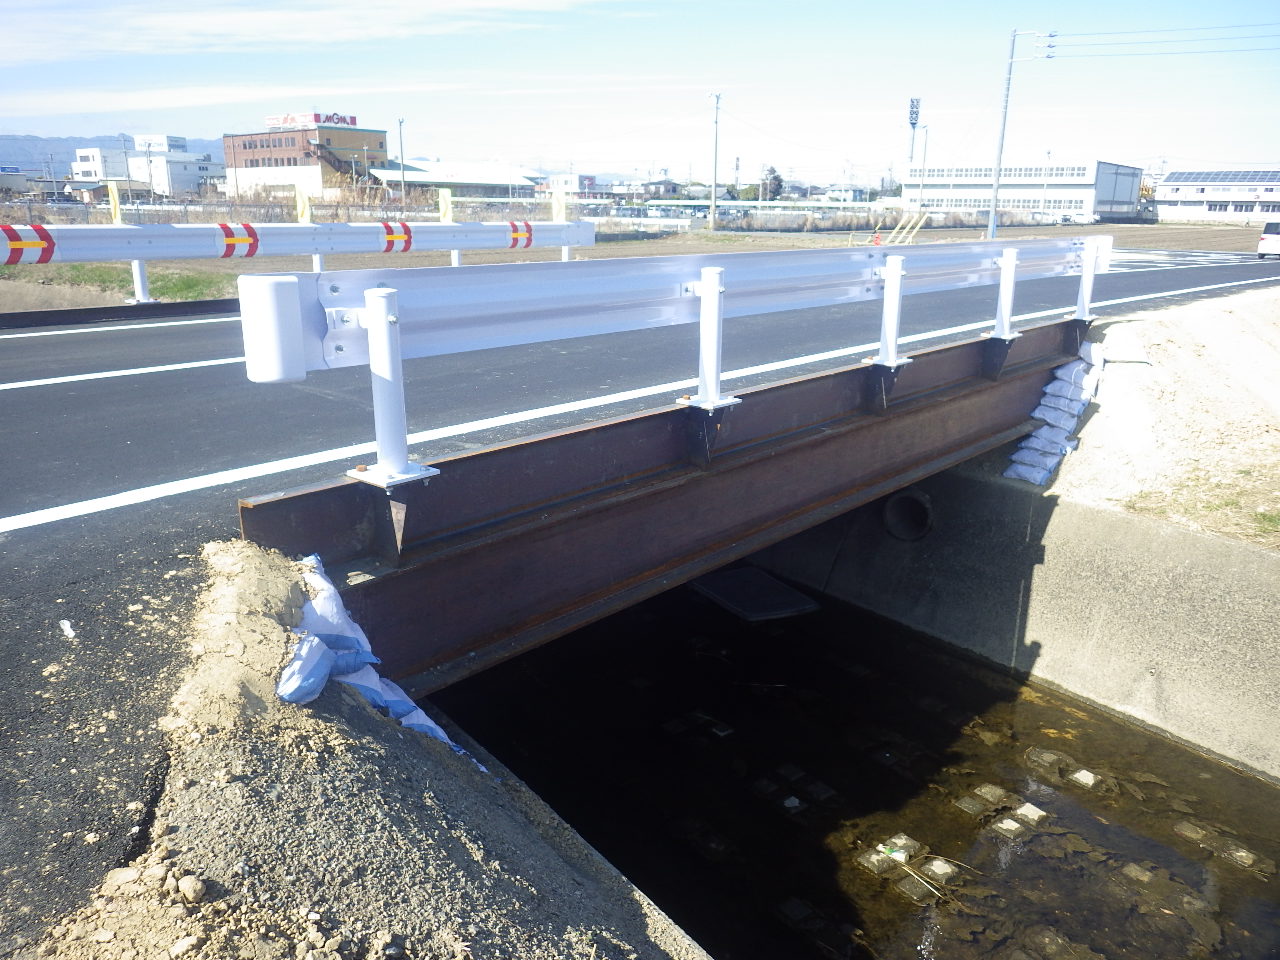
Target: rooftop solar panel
[[1223, 176]]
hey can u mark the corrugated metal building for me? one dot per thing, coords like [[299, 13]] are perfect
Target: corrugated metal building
[[1219, 196], [1044, 190]]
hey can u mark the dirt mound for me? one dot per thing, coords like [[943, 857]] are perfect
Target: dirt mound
[[1187, 422], [329, 831]]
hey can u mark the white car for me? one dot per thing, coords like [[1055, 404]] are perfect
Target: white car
[[1269, 242]]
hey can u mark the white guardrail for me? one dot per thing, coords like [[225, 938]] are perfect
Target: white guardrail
[[95, 243], [297, 322]]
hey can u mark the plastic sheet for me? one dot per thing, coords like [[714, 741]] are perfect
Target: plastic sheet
[[306, 674], [331, 644], [367, 683]]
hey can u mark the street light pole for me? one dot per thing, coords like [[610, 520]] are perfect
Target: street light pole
[[403, 201], [715, 162], [1044, 197], [924, 167]]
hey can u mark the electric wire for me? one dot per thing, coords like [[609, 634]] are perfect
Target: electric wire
[[1134, 43], [1121, 33], [1158, 53]]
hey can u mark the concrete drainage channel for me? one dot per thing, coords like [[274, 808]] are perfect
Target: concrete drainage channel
[[829, 784]]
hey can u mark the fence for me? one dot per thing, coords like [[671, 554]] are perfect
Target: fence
[[137, 243], [295, 323]]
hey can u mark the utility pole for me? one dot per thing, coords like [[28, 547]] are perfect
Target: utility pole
[[715, 163], [1004, 120]]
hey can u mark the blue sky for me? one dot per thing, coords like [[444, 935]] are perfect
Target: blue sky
[[817, 88]]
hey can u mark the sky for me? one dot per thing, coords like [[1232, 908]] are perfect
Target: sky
[[818, 89]]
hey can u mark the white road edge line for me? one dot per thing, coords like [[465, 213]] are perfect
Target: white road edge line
[[113, 329], [191, 484], [107, 374]]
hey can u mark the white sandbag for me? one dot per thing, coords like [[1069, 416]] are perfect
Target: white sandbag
[[1036, 458], [1068, 391], [1073, 372], [1057, 418], [1024, 471], [1091, 353], [1044, 446], [1072, 407], [1056, 436], [306, 674]]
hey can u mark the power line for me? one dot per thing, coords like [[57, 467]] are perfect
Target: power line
[[1160, 53], [1134, 43], [1121, 33]]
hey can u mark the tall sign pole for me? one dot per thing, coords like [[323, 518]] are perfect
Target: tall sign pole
[[913, 118]]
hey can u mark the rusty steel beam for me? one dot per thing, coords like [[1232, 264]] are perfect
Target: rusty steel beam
[[512, 546]]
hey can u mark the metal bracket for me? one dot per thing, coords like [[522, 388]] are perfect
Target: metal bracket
[[881, 379], [995, 353], [378, 476], [703, 434], [1075, 332]]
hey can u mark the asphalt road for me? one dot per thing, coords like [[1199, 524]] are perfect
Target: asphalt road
[[110, 484]]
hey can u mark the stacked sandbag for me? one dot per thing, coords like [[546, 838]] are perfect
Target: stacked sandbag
[[1061, 405]]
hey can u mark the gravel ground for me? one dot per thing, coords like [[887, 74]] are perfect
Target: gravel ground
[[329, 831]]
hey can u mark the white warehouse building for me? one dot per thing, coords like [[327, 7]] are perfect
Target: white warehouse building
[[1043, 190], [158, 163], [1219, 196]]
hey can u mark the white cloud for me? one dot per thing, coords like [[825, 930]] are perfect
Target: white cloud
[[59, 30], [62, 102]]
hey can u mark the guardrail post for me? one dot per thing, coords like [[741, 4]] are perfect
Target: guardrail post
[[1088, 268], [560, 214], [141, 293], [386, 368], [445, 196], [883, 373], [998, 342], [892, 274], [710, 291]]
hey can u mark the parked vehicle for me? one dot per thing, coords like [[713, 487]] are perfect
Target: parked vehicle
[[1269, 242]]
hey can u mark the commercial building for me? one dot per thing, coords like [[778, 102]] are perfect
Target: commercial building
[[464, 178], [312, 154], [1219, 196], [1032, 191], [156, 164]]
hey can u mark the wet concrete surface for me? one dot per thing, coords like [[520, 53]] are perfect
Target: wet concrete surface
[[831, 785]]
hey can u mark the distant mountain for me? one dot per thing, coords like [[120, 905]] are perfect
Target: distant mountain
[[35, 155]]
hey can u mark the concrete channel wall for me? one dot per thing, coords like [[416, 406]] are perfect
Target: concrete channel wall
[[1176, 630]]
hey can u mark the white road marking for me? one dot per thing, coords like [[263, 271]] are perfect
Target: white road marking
[[107, 374], [206, 481], [113, 329]]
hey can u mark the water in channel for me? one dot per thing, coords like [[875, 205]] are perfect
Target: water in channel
[[831, 785]]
